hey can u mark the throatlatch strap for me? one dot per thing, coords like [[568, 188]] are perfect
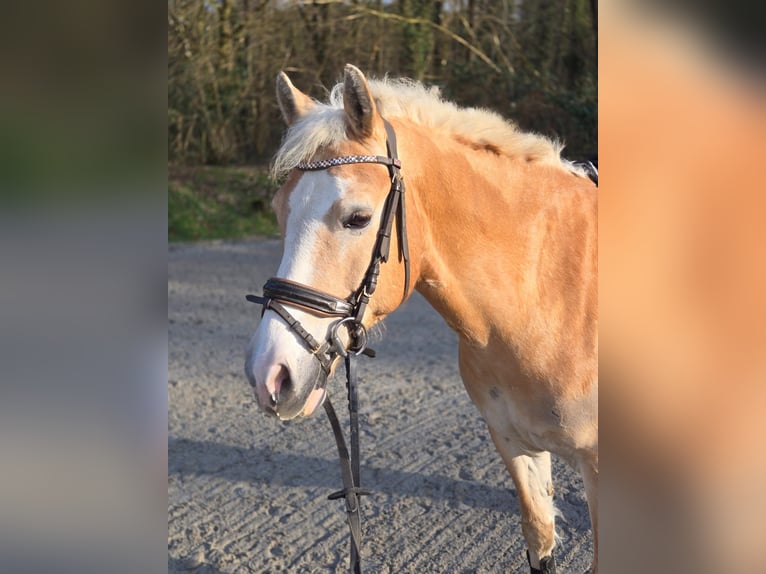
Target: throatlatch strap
[[397, 183]]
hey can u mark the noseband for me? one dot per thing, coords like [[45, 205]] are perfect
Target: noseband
[[350, 311]]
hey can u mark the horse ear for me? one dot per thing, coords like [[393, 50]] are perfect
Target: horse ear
[[358, 102], [292, 102]]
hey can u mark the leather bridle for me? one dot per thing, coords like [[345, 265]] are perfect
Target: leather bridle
[[277, 292]]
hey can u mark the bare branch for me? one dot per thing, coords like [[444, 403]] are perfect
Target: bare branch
[[423, 21]]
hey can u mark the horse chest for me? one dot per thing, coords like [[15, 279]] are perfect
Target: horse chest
[[530, 423], [522, 412]]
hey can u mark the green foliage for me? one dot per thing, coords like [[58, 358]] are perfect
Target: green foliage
[[418, 42], [218, 203], [533, 61], [223, 58]]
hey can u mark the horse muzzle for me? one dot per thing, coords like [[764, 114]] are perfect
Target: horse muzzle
[[285, 394]]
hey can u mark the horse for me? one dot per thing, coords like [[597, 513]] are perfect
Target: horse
[[502, 236]]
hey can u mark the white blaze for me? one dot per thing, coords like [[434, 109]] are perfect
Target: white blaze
[[309, 203], [274, 342]]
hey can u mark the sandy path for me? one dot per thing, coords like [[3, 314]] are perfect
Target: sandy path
[[247, 493]]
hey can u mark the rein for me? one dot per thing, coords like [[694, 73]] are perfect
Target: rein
[[277, 291]]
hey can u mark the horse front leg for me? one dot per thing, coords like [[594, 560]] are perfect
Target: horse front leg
[[530, 471], [531, 474]]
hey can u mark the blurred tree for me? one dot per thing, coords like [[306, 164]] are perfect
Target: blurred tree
[[418, 35], [532, 61]]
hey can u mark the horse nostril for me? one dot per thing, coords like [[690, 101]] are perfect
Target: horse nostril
[[282, 385]]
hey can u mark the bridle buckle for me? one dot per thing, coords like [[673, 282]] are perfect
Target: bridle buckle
[[357, 332]]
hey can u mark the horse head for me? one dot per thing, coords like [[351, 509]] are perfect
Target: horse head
[[336, 198]]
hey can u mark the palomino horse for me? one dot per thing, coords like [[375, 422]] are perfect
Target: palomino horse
[[503, 241]]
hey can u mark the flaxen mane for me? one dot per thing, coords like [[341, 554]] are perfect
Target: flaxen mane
[[476, 127]]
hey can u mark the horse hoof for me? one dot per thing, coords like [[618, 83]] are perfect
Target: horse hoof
[[547, 565]]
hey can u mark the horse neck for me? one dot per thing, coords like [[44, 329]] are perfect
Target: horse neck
[[500, 239]]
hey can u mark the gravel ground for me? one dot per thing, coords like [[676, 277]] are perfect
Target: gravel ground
[[247, 493]]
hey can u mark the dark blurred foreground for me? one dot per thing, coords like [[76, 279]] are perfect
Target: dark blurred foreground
[[82, 285], [82, 288]]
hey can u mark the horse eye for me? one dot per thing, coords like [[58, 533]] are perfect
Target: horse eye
[[357, 220]]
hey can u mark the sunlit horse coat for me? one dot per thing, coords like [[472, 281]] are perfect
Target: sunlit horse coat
[[503, 242]]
